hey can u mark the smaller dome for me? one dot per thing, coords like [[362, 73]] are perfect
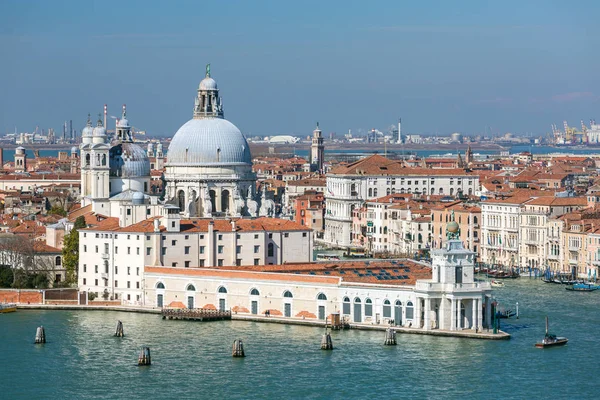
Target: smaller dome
[[208, 83], [99, 131], [74, 150], [123, 123], [87, 131], [452, 227], [128, 160]]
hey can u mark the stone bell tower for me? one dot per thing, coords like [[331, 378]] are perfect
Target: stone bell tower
[[317, 151]]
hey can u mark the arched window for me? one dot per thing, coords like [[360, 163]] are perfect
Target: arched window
[[87, 159], [368, 308], [410, 310], [387, 191], [475, 221], [103, 159], [287, 294], [441, 190], [160, 285], [190, 288], [58, 261], [224, 200], [270, 251], [451, 191], [321, 296], [398, 303], [222, 289], [357, 300], [375, 192], [346, 306], [385, 230], [254, 292], [370, 192], [432, 190], [387, 309]]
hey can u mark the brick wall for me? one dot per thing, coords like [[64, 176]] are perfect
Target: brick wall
[[24, 296]]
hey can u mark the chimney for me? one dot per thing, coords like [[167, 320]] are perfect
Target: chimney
[[156, 225], [233, 227]]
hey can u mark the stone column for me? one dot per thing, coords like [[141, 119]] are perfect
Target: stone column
[[418, 313], [474, 315], [479, 314], [453, 314], [459, 322], [427, 322], [442, 313], [488, 312]]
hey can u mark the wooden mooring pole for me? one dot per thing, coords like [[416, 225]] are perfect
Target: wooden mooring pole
[[144, 358], [326, 343], [390, 337], [40, 335], [119, 331], [238, 348]]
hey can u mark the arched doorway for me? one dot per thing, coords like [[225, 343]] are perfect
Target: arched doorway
[[224, 200], [190, 289], [212, 196], [398, 313], [357, 310]]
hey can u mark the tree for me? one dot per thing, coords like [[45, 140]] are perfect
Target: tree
[[70, 251], [57, 210]]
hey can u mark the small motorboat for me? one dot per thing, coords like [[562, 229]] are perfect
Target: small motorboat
[[551, 340], [7, 307], [505, 314], [496, 283]]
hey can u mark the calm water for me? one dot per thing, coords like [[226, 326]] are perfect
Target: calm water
[[192, 359]]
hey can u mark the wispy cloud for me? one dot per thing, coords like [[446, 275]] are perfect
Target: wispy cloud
[[455, 28], [574, 96]]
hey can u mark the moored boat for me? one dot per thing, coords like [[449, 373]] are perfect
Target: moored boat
[[505, 314], [582, 287], [496, 283], [7, 307], [551, 340]]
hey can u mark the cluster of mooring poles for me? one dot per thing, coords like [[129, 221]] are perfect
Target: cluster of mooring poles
[[238, 346]]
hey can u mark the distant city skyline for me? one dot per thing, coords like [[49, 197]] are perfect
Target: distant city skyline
[[511, 67]]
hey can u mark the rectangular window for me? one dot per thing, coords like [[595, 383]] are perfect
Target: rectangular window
[[238, 262], [116, 269], [128, 297], [286, 235], [137, 271], [256, 236], [147, 237], [116, 283], [164, 251], [237, 236], [256, 249], [220, 237], [129, 211], [84, 267], [116, 249], [129, 250], [96, 249], [187, 237], [173, 264], [137, 251], [137, 285], [173, 242], [238, 249], [270, 236], [220, 262], [304, 233], [220, 249], [95, 282], [128, 237], [187, 264], [148, 250], [202, 263], [128, 284], [201, 237], [128, 270], [201, 249], [96, 268], [257, 261], [137, 237], [186, 250], [84, 248], [84, 281]]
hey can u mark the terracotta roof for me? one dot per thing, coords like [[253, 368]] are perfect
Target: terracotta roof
[[379, 165], [558, 201], [72, 216]]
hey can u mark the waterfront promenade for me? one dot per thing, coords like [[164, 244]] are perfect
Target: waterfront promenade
[[467, 333]]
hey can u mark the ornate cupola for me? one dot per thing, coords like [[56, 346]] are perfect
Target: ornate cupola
[[208, 104]]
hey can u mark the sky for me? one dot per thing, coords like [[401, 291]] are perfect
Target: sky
[[471, 66]]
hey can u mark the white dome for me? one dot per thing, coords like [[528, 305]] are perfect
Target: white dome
[[208, 83], [99, 131], [123, 123], [87, 131], [208, 141], [74, 149]]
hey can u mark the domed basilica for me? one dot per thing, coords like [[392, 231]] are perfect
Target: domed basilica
[[208, 170], [209, 167]]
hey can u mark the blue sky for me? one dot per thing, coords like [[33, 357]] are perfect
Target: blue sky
[[445, 66]]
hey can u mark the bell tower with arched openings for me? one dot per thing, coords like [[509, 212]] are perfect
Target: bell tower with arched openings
[[94, 166]]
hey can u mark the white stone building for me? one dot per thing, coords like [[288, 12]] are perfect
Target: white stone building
[[350, 186]]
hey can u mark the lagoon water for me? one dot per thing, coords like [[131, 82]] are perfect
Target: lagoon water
[[82, 360]]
